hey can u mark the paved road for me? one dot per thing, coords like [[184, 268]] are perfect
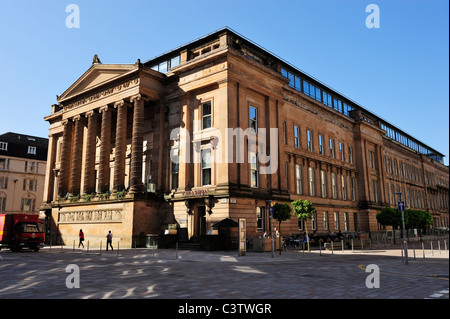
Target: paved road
[[143, 273]]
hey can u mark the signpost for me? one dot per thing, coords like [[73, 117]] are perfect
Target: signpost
[[401, 208]]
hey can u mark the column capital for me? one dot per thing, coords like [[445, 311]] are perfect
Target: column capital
[[138, 97], [103, 109], [119, 103], [89, 113], [76, 118]]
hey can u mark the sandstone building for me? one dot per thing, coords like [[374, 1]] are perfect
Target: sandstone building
[[23, 160], [218, 128]]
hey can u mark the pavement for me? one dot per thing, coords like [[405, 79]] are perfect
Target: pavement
[[185, 274]]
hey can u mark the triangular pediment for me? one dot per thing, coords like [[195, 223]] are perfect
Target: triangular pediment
[[96, 76]]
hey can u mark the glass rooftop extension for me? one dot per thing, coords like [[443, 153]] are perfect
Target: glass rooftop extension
[[305, 84]]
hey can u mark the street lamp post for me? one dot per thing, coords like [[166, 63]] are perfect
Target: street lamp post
[[401, 208], [271, 224]]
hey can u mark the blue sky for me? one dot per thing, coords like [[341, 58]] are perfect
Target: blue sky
[[399, 71]]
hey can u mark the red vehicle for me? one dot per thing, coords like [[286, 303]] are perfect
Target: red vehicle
[[19, 231]]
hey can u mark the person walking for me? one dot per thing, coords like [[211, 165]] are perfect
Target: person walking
[[109, 240], [81, 237]]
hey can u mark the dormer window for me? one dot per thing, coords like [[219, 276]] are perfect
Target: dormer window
[[32, 150], [3, 146]]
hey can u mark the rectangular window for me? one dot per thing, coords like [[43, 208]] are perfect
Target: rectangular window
[[311, 182], [353, 188], [3, 146], [314, 221], [306, 88], [253, 118], [27, 205], [374, 191], [260, 218], [323, 183], [350, 155], [3, 182], [4, 164], [346, 222], [296, 136], [253, 169], [32, 150], [310, 140], [175, 61], [336, 221], [372, 159], [206, 115], [334, 184], [321, 148], [298, 177], [174, 173], [206, 166], [284, 132], [325, 220], [286, 169], [344, 187], [341, 151], [332, 148]]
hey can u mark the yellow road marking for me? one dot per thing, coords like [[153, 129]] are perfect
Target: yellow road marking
[[407, 275]]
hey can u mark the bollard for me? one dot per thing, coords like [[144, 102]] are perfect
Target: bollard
[[135, 244], [320, 249], [432, 252], [332, 248], [414, 251], [401, 249], [50, 244], [73, 250], [88, 247], [439, 246], [100, 252], [303, 249], [352, 245], [423, 250], [342, 243], [445, 244], [118, 248]]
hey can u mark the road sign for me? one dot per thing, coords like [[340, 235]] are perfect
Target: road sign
[[401, 206], [271, 212]]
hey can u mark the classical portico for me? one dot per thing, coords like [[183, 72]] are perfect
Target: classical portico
[[98, 163]]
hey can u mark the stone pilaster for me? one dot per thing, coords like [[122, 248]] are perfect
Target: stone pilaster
[[105, 150], [120, 146], [89, 170]]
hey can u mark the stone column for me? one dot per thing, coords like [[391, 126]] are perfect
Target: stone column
[[77, 151], [136, 184], [89, 170], [105, 150], [120, 146], [65, 162]]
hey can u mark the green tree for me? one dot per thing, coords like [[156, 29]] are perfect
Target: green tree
[[417, 219], [304, 210], [390, 217], [281, 212]]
